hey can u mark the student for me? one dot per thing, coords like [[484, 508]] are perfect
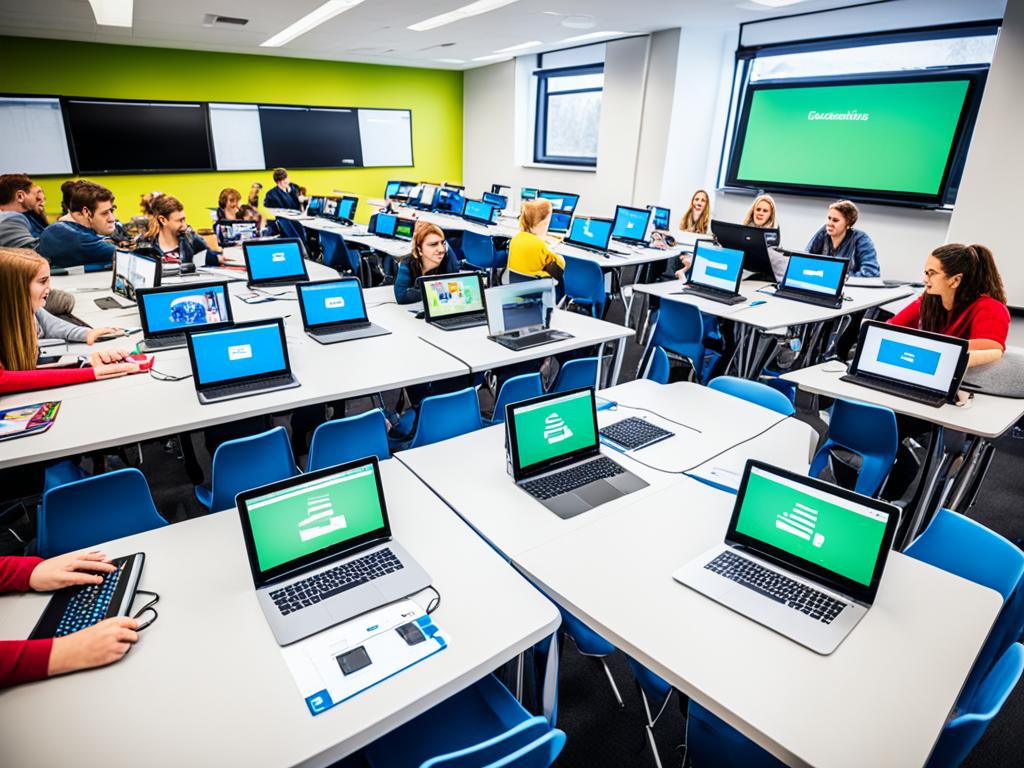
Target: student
[[169, 233], [65, 199], [103, 643], [963, 297], [430, 255], [528, 254], [19, 200], [283, 194], [839, 238], [698, 216], [761, 213], [228, 203], [85, 238]]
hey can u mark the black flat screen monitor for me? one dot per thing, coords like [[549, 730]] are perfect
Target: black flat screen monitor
[[310, 137], [753, 241]]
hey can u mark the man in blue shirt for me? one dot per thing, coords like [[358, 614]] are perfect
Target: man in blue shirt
[[839, 238], [283, 194], [85, 239], [20, 198]]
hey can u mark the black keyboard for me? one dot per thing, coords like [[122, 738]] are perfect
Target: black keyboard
[[782, 589], [567, 480], [897, 389], [334, 581], [832, 302], [720, 296], [533, 340], [164, 342], [247, 387], [634, 432], [460, 321], [328, 330], [591, 248]]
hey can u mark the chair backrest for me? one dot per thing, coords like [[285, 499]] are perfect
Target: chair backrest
[[354, 437], [754, 392], [659, 368], [336, 253], [445, 416], [520, 277], [584, 284], [656, 688], [291, 228], [531, 743], [581, 372], [478, 250], [249, 462], [515, 390], [870, 432], [680, 329], [84, 513]]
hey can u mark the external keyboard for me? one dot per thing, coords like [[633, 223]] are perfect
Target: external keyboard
[[334, 581], [90, 605], [634, 432], [247, 387], [893, 388], [770, 583], [567, 480], [533, 340]]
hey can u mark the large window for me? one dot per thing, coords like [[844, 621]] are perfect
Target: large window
[[568, 115]]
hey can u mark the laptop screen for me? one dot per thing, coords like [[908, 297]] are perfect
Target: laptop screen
[[240, 352], [330, 207], [234, 231], [315, 206], [594, 233], [923, 361], [477, 210], [519, 305], [392, 188], [661, 217], [274, 260], [404, 228], [551, 428], [449, 201], [385, 225], [132, 271], [807, 273], [347, 208], [498, 201], [527, 193], [562, 202], [452, 295], [163, 311], [559, 222], [428, 196], [331, 302], [630, 223], [719, 268]]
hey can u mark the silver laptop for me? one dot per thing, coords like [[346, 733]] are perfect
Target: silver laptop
[[167, 312], [519, 314], [334, 310], [320, 549], [801, 556], [554, 454]]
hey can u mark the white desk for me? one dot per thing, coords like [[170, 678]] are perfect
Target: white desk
[[880, 699], [206, 684]]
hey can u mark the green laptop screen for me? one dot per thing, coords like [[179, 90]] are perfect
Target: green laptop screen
[[306, 518], [842, 536], [554, 428]]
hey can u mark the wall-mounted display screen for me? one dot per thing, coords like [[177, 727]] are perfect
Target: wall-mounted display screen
[[310, 137]]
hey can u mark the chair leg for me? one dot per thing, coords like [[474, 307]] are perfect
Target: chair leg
[[649, 727], [611, 682]]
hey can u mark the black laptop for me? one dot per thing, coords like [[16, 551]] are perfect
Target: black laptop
[[334, 310], [168, 312], [454, 301], [814, 279], [715, 274]]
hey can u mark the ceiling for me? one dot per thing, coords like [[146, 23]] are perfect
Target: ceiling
[[375, 31]]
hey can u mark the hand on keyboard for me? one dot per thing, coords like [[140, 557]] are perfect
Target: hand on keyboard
[[95, 646], [69, 570]]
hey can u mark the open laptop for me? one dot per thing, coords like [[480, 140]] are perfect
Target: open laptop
[[340, 209], [393, 227], [320, 549], [590, 234], [553, 453], [315, 206], [234, 231], [814, 279], [334, 310], [753, 241], [631, 225], [274, 262], [662, 217], [715, 274], [519, 314], [449, 200], [241, 360], [166, 313], [480, 212], [801, 556], [454, 301], [918, 365], [133, 271], [499, 201]]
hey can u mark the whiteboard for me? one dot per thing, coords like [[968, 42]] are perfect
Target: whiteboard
[[34, 141], [386, 136], [237, 139]]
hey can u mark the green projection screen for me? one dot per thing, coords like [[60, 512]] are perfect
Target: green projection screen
[[891, 139]]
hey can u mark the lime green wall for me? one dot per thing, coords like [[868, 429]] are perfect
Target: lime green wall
[[129, 72]]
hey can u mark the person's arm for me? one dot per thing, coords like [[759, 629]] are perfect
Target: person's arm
[[15, 232], [406, 291], [48, 378], [21, 660], [865, 257], [550, 256], [198, 245], [909, 316], [53, 327], [989, 328], [815, 244]]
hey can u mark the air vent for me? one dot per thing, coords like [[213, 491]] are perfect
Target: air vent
[[215, 20]]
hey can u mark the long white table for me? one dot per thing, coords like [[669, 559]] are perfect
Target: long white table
[[207, 685]]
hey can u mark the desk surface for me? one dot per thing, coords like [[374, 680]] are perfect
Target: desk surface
[[880, 699], [208, 676]]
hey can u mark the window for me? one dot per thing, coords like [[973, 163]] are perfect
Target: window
[[568, 115]]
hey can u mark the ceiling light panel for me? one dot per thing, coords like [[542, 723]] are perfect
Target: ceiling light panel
[[465, 12], [112, 13], [325, 12], [520, 47]]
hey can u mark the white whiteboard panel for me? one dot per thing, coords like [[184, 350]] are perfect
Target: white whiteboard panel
[[237, 140], [386, 136], [34, 141]]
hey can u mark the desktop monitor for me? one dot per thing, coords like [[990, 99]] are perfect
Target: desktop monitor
[[631, 224], [132, 271], [500, 189], [404, 228], [661, 216], [449, 201], [528, 193], [561, 202], [517, 306], [392, 189], [315, 205], [347, 208], [428, 196], [500, 202], [330, 207], [480, 212], [384, 225]]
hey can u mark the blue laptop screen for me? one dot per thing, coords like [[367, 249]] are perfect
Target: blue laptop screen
[[336, 301], [274, 260], [818, 275], [392, 188], [186, 308], [559, 222], [449, 201], [717, 267], [385, 224], [347, 208], [911, 359], [316, 205], [528, 193], [661, 217], [498, 201], [630, 223], [478, 210], [562, 202], [592, 232], [237, 353]]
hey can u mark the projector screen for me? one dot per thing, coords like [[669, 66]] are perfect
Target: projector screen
[[888, 138], [310, 137]]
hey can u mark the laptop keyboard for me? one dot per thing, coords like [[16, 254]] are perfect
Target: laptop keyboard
[[567, 480], [533, 340], [894, 388], [90, 604], [808, 298], [247, 387], [634, 433], [163, 342], [334, 581], [464, 321], [772, 584], [709, 293], [330, 330]]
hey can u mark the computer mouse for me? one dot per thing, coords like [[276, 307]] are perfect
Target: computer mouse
[[145, 362]]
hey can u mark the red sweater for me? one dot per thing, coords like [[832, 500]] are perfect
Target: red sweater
[[986, 318], [21, 660], [42, 378]]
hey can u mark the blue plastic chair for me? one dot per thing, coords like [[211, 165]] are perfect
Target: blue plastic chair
[[291, 228], [337, 254], [480, 254], [867, 430], [591, 644], [754, 392], [655, 693], [354, 437], [659, 368], [710, 741], [246, 463], [482, 725], [515, 390], [61, 472], [444, 416], [968, 549], [84, 513], [584, 285], [581, 372], [679, 329]]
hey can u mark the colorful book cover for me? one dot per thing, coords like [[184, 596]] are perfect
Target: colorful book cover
[[27, 419]]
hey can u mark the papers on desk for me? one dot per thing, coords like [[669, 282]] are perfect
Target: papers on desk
[[28, 419], [340, 662]]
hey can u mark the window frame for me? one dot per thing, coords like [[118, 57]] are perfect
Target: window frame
[[540, 137]]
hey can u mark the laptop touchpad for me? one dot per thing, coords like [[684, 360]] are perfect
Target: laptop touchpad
[[598, 492]]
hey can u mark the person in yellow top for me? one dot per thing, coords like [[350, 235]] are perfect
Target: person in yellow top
[[528, 254]]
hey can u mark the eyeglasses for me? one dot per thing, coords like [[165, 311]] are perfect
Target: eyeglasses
[[930, 273]]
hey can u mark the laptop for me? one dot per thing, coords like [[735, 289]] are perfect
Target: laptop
[[427, 196], [662, 217], [320, 549], [814, 279], [499, 201], [133, 271], [590, 234], [453, 301], [630, 225], [553, 453], [921, 366], [480, 212], [519, 314], [340, 209], [801, 556], [241, 360], [393, 227], [166, 313], [449, 200], [753, 241], [274, 262], [230, 232], [315, 206], [715, 274], [334, 310]]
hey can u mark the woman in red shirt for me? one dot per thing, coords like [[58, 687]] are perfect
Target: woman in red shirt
[[963, 297]]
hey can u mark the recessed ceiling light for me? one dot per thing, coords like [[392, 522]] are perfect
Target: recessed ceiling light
[[593, 36], [520, 47], [473, 9], [112, 13], [579, 21], [777, 3], [450, 61], [491, 57], [325, 12]]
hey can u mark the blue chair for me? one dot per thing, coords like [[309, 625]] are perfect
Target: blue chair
[[354, 437], [445, 416], [291, 228], [584, 285], [245, 463], [61, 472], [659, 368], [337, 254], [591, 644], [710, 741], [655, 693], [84, 513], [754, 392], [480, 254], [679, 330], [515, 390], [482, 725], [867, 430], [968, 549], [581, 372]]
